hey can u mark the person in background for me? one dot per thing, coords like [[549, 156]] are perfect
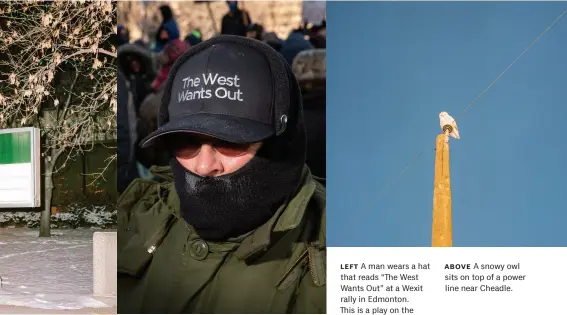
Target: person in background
[[140, 42], [148, 113], [317, 35], [126, 137], [294, 44], [137, 79], [273, 40], [255, 31], [166, 58], [194, 38], [167, 30], [318, 41], [236, 21], [136, 64], [123, 35], [321, 29], [155, 154], [309, 67]]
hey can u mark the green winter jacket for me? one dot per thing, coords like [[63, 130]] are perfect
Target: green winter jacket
[[164, 267]]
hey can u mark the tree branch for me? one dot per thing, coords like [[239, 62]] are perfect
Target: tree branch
[[69, 97], [89, 51]]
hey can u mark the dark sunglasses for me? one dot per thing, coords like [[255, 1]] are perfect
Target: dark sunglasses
[[190, 146]]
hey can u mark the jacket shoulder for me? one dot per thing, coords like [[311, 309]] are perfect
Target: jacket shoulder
[[139, 190], [143, 221], [312, 291], [318, 207], [316, 250], [320, 194]]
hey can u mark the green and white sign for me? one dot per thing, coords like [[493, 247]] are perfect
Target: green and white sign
[[20, 168]]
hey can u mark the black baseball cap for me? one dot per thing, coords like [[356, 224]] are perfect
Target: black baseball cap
[[229, 87]]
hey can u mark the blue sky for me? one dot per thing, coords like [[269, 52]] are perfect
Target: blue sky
[[392, 67]]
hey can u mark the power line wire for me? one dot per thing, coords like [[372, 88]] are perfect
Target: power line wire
[[517, 58]]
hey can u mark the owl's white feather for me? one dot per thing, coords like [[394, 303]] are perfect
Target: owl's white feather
[[446, 119]]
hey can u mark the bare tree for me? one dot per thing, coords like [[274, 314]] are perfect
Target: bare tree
[[58, 73]]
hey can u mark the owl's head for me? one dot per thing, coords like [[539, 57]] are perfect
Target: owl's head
[[443, 114]]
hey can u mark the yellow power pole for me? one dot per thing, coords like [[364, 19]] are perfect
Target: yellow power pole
[[442, 227]]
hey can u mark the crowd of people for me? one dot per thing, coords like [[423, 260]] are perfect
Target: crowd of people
[[143, 69]]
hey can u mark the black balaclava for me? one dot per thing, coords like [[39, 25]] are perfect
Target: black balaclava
[[227, 206]]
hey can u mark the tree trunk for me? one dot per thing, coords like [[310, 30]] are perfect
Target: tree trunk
[[45, 222], [212, 17]]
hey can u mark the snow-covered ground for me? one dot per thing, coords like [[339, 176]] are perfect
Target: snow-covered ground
[[49, 273]]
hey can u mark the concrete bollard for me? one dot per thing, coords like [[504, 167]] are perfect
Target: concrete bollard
[[104, 263]]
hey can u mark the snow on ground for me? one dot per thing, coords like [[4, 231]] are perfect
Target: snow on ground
[[48, 273]]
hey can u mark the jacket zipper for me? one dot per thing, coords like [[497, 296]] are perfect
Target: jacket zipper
[[157, 238]]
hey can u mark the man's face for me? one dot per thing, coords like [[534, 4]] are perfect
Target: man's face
[[135, 66], [163, 35], [206, 156]]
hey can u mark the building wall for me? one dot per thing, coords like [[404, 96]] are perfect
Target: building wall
[[73, 182]]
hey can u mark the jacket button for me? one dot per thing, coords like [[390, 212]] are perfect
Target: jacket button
[[199, 249]]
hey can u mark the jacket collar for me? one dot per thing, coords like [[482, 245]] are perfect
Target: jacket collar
[[286, 218]]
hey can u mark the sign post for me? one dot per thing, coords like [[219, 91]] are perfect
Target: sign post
[[20, 172]]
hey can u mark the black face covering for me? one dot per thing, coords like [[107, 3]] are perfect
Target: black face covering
[[228, 206]]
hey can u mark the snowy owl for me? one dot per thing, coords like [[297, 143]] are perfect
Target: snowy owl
[[449, 125]]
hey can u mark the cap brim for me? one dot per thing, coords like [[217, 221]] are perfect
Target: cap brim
[[227, 128]]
